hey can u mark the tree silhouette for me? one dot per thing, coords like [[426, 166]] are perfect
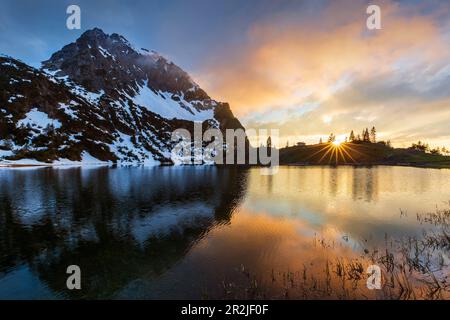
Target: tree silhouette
[[269, 142], [332, 138], [373, 135], [436, 151], [366, 135], [352, 136], [420, 146]]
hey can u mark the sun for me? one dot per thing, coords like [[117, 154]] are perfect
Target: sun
[[337, 143], [339, 151]]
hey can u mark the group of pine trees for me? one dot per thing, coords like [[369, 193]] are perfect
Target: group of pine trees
[[366, 136]]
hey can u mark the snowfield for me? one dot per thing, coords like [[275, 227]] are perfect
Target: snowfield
[[87, 160], [38, 119], [162, 104]]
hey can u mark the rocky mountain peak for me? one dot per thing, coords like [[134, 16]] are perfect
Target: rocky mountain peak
[[100, 99], [99, 61], [94, 33]]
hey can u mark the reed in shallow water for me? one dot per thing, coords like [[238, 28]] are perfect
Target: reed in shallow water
[[412, 268]]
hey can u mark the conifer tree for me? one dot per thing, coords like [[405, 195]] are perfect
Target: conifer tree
[[366, 135], [352, 136], [373, 135]]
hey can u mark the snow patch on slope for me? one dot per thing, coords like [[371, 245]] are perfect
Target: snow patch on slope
[[68, 110], [53, 76], [9, 63], [86, 159], [162, 104], [6, 153], [130, 153], [36, 118], [105, 53]]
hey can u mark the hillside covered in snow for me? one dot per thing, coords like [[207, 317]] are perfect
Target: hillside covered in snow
[[100, 100]]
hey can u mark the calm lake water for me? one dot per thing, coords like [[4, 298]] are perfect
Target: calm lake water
[[198, 232]]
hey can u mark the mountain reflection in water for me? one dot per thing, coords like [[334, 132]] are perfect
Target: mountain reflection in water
[[199, 232]]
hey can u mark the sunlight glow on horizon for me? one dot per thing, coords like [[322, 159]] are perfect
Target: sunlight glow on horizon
[[355, 78]]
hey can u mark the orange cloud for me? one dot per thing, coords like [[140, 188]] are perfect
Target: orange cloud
[[285, 63]]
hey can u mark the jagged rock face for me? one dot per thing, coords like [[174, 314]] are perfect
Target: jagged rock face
[[100, 98], [102, 62]]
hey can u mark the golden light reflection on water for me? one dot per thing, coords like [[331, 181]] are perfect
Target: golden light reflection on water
[[294, 231], [362, 202], [281, 256]]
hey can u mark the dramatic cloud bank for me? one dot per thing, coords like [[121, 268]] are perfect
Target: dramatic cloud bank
[[327, 73]]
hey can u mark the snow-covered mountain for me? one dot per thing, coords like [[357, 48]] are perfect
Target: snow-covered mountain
[[100, 99]]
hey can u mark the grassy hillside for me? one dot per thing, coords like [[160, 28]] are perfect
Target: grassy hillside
[[360, 154]]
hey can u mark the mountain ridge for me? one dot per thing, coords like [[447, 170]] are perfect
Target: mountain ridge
[[101, 98]]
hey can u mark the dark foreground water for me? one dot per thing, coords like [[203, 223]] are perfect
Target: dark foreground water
[[205, 232]]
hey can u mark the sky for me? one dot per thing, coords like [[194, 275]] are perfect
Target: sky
[[306, 68]]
